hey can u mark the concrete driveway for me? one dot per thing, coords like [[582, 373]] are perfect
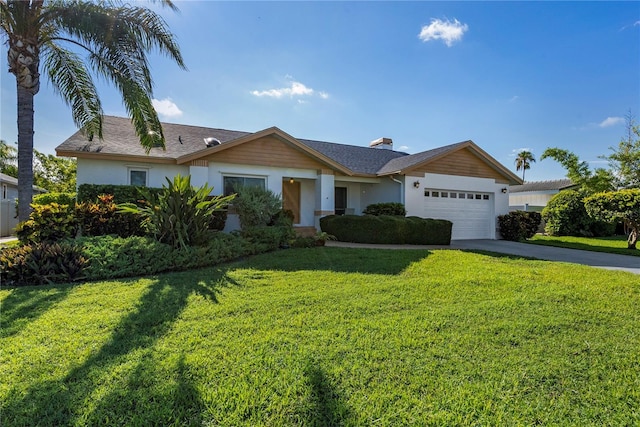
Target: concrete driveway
[[594, 259]]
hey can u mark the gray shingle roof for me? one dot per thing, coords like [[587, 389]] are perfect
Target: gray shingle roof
[[557, 184], [120, 138], [8, 179], [184, 140], [362, 160]]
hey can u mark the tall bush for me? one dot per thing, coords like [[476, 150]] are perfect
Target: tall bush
[[256, 207], [180, 215], [623, 205], [566, 215], [48, 223], [519, 225], [121, 193]]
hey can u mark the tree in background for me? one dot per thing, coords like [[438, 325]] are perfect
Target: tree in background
[[8, 159], [622, 205], [54, 174], [625, 159], [116, 38], [579, 173], [524, 160]]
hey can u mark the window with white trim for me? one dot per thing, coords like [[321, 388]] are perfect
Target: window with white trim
[[231, 183], [138, 177]]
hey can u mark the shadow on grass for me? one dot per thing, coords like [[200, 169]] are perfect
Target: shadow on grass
[[139, 400], [326, 406], [24, 305], [345, 260]]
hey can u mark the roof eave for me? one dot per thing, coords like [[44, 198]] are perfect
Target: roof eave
[[114, 156]]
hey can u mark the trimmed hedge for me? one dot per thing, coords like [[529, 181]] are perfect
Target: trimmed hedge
[[388, 229], [121, 193], [390, 208]]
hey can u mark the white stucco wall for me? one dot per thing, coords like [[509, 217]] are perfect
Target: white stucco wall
[[92, 171], [386, 190], [531, 198]]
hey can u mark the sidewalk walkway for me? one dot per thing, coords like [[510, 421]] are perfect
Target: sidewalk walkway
[[594, 259]]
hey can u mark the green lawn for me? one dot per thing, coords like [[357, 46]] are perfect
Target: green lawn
[[613, 245], [329, 337]]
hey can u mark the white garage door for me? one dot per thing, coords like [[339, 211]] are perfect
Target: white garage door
[[470, 212]]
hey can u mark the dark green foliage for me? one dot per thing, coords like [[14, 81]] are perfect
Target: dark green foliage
[[387, 229], [121, 193], [378, 209], [623, 205], [48, 223], [264, 239], [179, 215], [566, 215], [519, 225], [60, 198], [256, 207], [102, 218], [42, 263], [218, 220]]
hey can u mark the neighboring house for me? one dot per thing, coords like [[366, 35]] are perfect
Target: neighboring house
[[459, 182], [534, 196], [8, 197]]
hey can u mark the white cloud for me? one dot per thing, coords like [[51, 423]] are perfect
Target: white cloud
[[513, 99], [611, 121], [636, 24], [403, 148], [295, 90], [166, 107], [447, 31]]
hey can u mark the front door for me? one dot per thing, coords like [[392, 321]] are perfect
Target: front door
[[340, 200], [291, 198]]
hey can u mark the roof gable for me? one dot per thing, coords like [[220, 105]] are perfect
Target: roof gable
[[463, 158]]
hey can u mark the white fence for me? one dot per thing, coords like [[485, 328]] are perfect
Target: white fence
[[8, 220]]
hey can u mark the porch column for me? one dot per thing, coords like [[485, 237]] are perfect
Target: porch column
[[325, 195], [199, 171]]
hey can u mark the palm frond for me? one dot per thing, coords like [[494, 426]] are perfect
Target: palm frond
[[71, 79]]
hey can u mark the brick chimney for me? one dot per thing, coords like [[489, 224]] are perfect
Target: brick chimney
[[382, 144]]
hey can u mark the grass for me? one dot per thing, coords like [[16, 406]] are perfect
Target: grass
[[612, 245], [329, 337]]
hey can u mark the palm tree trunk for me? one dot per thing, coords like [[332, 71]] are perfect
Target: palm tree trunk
[[25, 152]]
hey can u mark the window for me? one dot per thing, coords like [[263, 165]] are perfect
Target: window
[[453, 195], [444, 194], [4, 191], [138, 177], [461, 195], [233, 182], [478, 196], [435, 194], [426, 193], [485, 197]]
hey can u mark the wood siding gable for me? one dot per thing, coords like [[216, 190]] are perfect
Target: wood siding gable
[[266, 151], [463, 162]]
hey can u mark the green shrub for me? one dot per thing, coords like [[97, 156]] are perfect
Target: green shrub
[[566, 215], [377, 209], [179, 215], [48, 223], [42, 263], [519, 225], [256, 206], [60, 198], [264, 239], [121, 193], [387, 229]]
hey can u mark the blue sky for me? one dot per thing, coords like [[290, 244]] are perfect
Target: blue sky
[[507, 75]]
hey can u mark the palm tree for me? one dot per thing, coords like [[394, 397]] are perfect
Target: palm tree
[[116, 38], [524, 160]]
